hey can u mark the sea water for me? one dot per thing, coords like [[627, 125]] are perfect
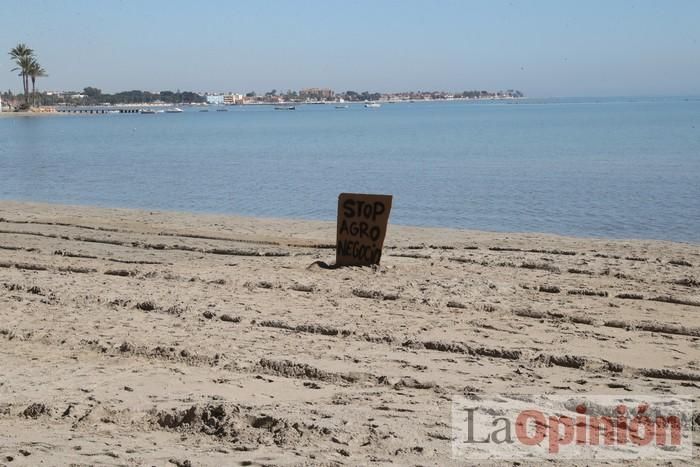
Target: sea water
[[613, 167]]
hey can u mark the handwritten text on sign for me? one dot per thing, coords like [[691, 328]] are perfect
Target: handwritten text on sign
[[362, 221]]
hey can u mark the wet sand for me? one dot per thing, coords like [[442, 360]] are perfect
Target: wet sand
[[150, 338]]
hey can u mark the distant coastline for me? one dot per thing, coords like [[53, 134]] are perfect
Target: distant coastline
[[54, 110], [94, 97]]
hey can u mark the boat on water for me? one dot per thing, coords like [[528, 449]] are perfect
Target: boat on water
[[174, 110], [147, 111], [204, 110], [342, 106], [373, 105], [290, 107], [222, 110]]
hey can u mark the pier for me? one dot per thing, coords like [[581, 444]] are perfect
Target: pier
[[98, 110]]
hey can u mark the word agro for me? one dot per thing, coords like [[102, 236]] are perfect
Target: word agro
[[362, 222]]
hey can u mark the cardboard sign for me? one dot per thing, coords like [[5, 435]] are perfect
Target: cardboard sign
[[362, 221]]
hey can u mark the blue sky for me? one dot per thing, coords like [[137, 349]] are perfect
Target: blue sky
[[544, 48]]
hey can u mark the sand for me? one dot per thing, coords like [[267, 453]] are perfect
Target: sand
[[149, 338], [6, 114]]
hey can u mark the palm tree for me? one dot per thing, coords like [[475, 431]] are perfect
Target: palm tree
[[35, 71], [23, 57], [23, 66]]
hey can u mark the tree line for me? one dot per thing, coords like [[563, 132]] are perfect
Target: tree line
[[95, 96], [29, 70]]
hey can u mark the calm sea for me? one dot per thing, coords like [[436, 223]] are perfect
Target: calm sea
[[624, 168]]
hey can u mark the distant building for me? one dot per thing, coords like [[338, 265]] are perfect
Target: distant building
[[230, 99], [215, 99], [317, 94]]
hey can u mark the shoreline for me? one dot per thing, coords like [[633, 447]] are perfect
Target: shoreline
[[380, 101], [243, 104], [326, 225], [122, 331], [31, 114]]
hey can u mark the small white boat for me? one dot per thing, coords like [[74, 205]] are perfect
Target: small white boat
[[373, 105], [147, 111], [290, 107], [342, 106], [174, 110]]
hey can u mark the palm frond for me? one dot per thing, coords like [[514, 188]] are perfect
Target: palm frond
[[21, 50]]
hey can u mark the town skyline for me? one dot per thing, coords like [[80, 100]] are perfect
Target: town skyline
[[29, 70], [92, 96]]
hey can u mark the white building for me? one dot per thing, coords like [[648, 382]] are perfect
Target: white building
[[230, 99], [215, 99]]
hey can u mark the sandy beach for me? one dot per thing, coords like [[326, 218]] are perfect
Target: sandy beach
[[30, 114], [150, 338]]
